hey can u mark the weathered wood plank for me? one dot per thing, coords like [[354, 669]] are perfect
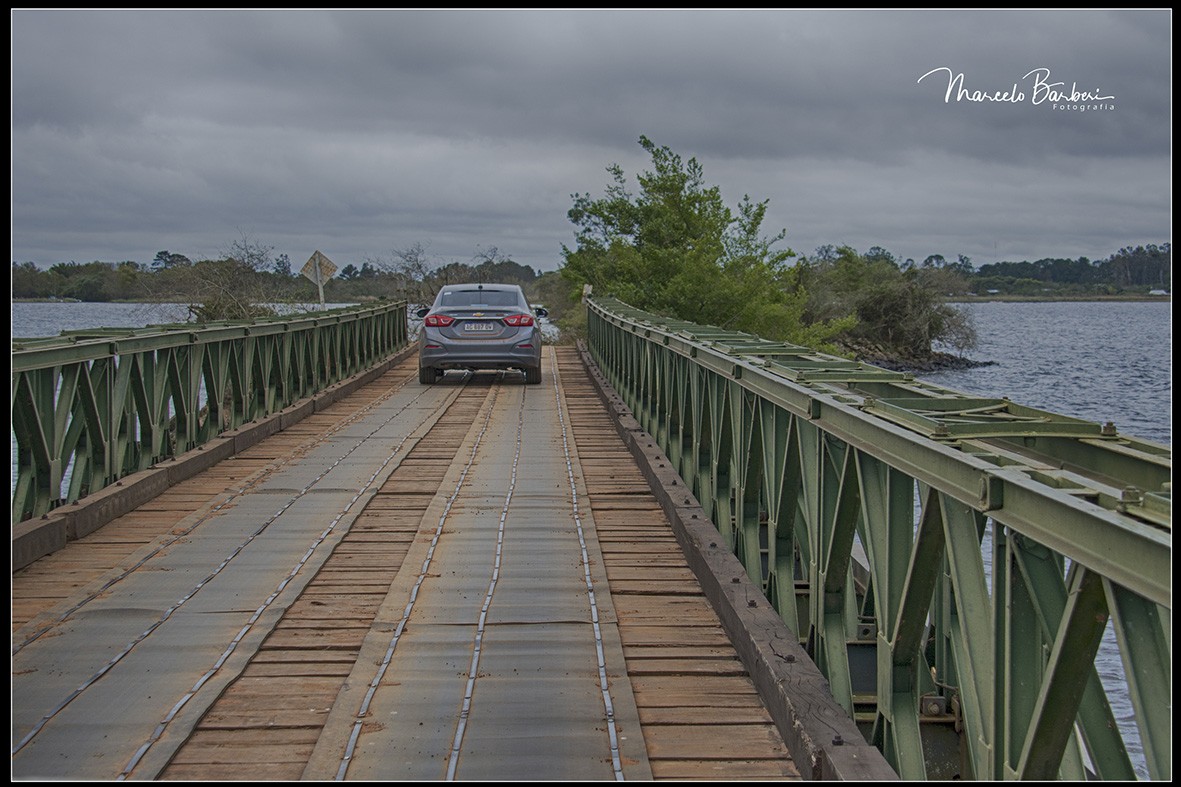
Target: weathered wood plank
[[250, 771], [725, 770]]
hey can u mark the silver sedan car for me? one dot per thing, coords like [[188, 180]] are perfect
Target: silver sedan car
[[480, 326]]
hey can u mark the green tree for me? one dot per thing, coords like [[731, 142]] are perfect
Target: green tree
[[899, 311], [675, 248], [491, 266], [282, 266], [92, 281], [166, 259], [29, 281], [128, 282]]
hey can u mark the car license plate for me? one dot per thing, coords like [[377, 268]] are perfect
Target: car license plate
[[475, 327]]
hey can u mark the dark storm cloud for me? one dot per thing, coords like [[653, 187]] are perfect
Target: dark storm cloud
[[359, 132]]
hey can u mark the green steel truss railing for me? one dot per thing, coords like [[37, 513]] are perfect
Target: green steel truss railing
[[98, 405], [950, 562]]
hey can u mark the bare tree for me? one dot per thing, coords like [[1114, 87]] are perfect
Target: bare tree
[[417, 273], [250, 252], [234, 287]]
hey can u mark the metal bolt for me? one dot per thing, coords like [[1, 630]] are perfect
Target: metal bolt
[[837, 740], [932, 708], [713, 544], [735, 580]]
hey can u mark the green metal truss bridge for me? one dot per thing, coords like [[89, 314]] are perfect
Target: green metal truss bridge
[[109, 402], [950, 563]]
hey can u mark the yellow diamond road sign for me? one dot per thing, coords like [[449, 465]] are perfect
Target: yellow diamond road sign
[[319, 268]]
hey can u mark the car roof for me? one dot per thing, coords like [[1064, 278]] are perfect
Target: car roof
[[465, 295], [481, 286]]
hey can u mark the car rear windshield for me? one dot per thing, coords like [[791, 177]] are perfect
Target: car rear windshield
[[475, 297]]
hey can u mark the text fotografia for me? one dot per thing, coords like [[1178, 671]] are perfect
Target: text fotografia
[[1037, 82]]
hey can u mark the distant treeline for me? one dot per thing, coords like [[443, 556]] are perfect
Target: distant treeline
[[1129, 270], [411, 274], [240, 286], [674, 249]]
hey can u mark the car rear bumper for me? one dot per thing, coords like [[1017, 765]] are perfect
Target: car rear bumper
[[441, 354]]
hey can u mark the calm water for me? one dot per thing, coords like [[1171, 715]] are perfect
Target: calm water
[[1097, 361], [1107, 361], [50, 319]]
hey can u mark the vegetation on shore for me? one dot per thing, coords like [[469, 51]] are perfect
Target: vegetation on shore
[[673, 247]]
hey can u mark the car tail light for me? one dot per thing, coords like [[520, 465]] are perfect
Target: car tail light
[[519, 320], [438, 320]]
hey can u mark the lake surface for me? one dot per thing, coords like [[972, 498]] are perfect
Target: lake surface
[[50, 319], [1100, 361]]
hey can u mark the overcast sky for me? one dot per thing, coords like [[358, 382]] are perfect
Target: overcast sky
[[361, 132]]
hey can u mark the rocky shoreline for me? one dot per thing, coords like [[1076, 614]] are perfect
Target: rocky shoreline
[[932, 362]]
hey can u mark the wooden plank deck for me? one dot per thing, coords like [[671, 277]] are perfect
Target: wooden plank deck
[[700, 715]]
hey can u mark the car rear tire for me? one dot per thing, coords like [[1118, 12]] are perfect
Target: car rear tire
[[428, 375], [532, 376]]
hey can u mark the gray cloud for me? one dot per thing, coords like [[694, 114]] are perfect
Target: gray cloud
[[357, 132]]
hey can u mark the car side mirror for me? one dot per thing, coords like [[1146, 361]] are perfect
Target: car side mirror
[[540, 312], [422, 312]]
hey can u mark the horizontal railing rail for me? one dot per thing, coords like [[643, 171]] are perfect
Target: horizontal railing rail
[[91, 407], [951, 562]]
